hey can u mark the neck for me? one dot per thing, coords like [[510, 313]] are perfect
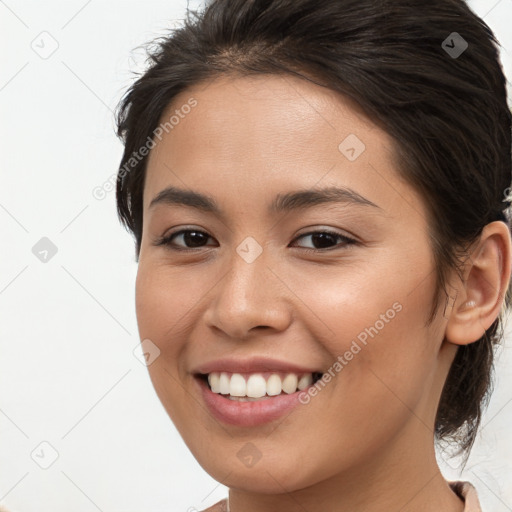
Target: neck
[[405, 476]]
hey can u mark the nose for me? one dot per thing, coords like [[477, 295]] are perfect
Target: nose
[[249, 297]]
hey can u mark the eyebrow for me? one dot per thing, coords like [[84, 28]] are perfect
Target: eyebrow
[[295, 200]]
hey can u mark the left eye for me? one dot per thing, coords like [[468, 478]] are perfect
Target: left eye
[[324, 238], [193, 239]]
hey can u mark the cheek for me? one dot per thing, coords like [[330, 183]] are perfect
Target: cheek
[[383, 356], [160, 304], [162, 299]]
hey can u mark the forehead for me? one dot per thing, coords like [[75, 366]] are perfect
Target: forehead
[[268, 132], [274, 113]]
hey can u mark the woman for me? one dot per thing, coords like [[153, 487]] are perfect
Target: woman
[[318, 194]]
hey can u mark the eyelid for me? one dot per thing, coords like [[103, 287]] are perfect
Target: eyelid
[[312, 230], [348, 240], [165, 240]]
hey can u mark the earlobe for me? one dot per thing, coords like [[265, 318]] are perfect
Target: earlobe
[[480, 297]]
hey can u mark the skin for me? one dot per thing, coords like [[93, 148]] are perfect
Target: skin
[[365, 442]]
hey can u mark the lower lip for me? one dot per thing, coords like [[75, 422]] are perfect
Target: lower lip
[[247, 414]]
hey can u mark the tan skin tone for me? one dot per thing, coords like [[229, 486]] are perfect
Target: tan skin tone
[[365, 442]]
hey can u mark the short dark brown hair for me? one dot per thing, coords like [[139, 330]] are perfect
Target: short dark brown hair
[[445, 110]]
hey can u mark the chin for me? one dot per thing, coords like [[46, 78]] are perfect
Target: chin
[[265, 476]]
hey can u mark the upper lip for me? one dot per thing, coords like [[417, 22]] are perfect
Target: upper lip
[[253, 364]]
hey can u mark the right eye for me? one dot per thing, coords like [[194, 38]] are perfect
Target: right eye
[[194, 237]]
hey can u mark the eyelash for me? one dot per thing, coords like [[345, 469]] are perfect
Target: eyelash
[[166, 240]]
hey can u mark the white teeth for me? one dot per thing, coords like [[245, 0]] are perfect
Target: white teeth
[[274, 385], [223, 383], [289, 384], [214, 381], [305, 381], [237, 385], [256, 386]]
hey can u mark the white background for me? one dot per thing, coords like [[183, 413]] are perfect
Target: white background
[[68, 374]]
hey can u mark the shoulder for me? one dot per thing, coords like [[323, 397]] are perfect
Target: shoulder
[[467, 492], [221, 506]]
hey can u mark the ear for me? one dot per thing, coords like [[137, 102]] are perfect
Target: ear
[[478, 300]]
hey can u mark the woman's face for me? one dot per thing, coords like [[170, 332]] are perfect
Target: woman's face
[[249, 281]]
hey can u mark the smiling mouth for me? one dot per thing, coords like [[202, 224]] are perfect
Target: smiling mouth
[[246, 387]]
